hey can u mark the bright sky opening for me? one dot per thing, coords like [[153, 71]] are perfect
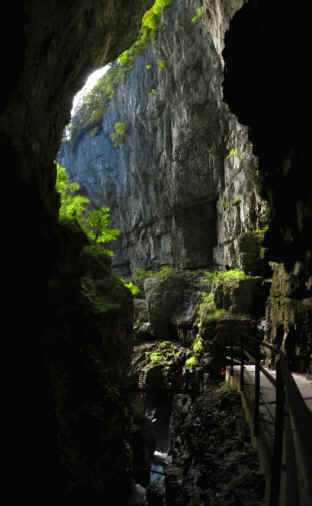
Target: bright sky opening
[[89, 84]]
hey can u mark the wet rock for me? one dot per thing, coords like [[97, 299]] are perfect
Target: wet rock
[[244, 296], [138, 496], [163, 296], [140, 310], [155, 493], [212, 462], [289, 318], [252, 254]]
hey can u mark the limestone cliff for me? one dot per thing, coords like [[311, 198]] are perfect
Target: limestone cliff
[[182, 183]]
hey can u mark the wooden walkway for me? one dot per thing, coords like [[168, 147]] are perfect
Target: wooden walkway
[[264, 441]]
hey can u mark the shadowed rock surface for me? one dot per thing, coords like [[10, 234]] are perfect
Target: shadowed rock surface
[[56, 453]]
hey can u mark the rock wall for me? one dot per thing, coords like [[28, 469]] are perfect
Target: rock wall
[[66, 417], [269, 94], [182, 186]]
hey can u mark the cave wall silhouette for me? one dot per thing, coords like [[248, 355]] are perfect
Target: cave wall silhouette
[[265, 85], [49, 50]]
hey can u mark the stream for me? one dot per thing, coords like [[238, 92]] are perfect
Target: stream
[[159, 410]]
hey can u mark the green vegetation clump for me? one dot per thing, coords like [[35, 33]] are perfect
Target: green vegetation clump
[[164, 355], [224, 276], [208, 304], [141, 274], [213, 316], [118, 136], [131, 286], [199, 15], [97, 227], [96, 224], [223, 203], [191, 362], [161, 63], [198, 345], [99, 303], [72, 204]]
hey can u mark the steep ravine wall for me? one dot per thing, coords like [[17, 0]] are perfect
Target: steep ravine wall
[[182, 186], [269, 94], [55, 45]]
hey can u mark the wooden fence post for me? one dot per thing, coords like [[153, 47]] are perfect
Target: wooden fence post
[[278, 438], [242, 359], [257, 390]]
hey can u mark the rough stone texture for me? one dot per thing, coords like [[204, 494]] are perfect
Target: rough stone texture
[[269, 95], [55, 45], [174, 193], [67, 421], [164, 296], [219, 332], [213, 461], [289, 319], [242, 296], [156, 374]]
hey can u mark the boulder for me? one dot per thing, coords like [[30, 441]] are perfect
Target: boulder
[[164, 296]]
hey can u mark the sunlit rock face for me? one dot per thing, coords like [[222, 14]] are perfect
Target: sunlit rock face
[[182, 184]]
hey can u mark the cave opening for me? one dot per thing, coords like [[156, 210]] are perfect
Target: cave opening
[[198, 211]]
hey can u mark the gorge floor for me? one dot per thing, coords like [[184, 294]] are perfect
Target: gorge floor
[[213, 460]]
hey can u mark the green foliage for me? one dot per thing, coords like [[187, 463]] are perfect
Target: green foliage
[[199, 15], [152, 92], [72, 204], [224, 276], [230, 154], [208, 304], [191, 362], [132, 287], [98, 302], [149, 66], [96, 224], [161, 63], [141, 274], [215, 315], [198, 345], [97, 250], [223, 203], [233, 152], [120, 128], [156, 357], [118, 136], [164, 354]]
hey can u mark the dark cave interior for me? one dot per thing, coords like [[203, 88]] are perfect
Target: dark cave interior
[[53, 46]]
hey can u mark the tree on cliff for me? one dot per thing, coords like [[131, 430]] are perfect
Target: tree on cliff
[[96, 224]]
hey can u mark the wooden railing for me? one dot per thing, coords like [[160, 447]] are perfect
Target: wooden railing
[[292, 442]]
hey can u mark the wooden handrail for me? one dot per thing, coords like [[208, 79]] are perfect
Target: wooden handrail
[[298, 440], [301, 423]]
